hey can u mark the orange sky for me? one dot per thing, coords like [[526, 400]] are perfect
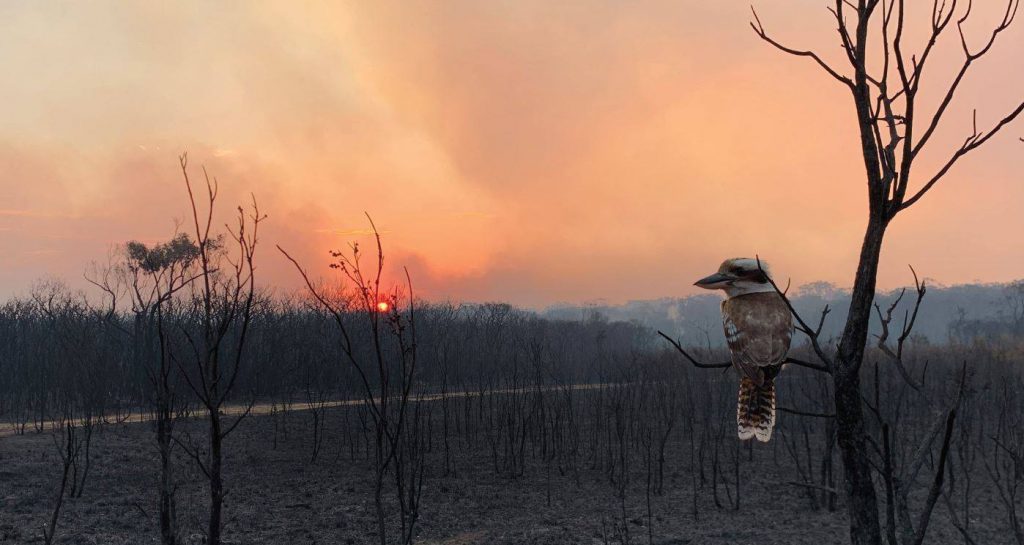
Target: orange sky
[[520, 151]]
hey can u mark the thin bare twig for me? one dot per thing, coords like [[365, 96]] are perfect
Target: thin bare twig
[[760, 31], [691, 359]]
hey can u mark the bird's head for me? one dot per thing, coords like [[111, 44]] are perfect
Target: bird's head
[[738, 276]]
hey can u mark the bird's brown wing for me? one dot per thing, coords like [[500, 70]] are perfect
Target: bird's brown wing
[[758, 328]]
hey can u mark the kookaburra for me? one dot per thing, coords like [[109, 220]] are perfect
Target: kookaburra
[[758, 327]]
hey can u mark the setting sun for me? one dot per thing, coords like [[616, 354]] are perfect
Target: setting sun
[[383, 306]]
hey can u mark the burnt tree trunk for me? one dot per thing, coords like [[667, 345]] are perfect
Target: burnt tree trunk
[[168, 524], [216, 477], [862, 504]]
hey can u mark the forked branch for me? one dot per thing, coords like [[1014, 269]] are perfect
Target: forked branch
[[763, 34], [909, 319]]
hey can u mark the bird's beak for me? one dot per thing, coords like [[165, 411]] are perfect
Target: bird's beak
[[715, 281]]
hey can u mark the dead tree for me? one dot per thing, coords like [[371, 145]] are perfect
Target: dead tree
[[223, 297], [386, 367], [884, 80], [83, 380], [316, 394], [69, 448]]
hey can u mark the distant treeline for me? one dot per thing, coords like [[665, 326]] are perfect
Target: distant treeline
[[957, 313], [60, 355]]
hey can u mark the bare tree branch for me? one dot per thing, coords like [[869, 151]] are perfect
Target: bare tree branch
[[691, 359], [760, 31]]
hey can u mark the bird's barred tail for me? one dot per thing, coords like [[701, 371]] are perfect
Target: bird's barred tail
[[755, 414]]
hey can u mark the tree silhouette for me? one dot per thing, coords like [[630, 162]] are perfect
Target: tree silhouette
[[884, 78]]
